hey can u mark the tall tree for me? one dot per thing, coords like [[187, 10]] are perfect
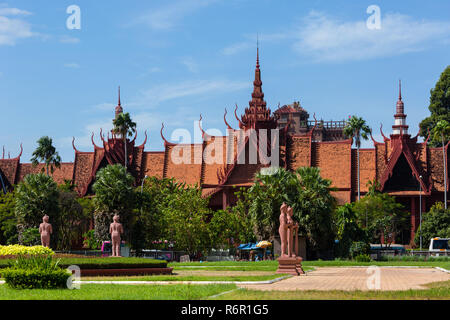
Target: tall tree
[[313, 209], [269, 191], [46, 152], [358, 129], [125, 127], [441, 133], [114, 193], [36, 196], [439, 107]]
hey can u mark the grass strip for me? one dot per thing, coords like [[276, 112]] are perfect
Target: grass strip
[[119, 292], [187, 278], [434, 291]]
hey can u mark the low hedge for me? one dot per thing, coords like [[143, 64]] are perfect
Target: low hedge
[[17, 249], [35, 278], [103, 263]]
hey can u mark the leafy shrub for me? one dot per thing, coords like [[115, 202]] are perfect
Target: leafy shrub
[[363, 258], [90, 241], [41, 262], [435, 223], [414, 258], [359, 248], [31, 237], [35, 278], [16, 249], [35, 272]]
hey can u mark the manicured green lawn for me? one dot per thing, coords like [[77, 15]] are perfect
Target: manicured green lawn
[[435, 291], [118, 292], [273, 265], [336, 263], [203, 277]]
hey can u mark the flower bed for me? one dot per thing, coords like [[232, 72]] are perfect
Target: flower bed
[[15, 249]]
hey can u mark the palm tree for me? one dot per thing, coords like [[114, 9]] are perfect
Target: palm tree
[[46, 152], [440, 133], [124, 126], [357, 127]]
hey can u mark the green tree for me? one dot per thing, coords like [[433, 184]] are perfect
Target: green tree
[[270, 189], [441, 133], [186, 220], [386, 218], [347, 229], [357, 128], [313, 209], [439, 107], [124, 126], [114, 194], [435, 223], [8, 220], [70, 220], [46, 152], [37, 195], [155, 196]]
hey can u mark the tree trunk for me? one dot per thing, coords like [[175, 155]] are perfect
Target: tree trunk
[[445, 172], [126, 155], [359, 192]]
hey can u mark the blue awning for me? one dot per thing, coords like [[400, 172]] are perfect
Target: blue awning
[[248, 246]]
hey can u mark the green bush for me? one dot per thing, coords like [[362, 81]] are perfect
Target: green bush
[[35, 272], [359, 248], [363, 258], [35, 278], [414, 258], [31, 237]]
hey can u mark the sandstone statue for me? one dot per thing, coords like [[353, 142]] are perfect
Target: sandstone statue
[[116, 229], [45, 229]]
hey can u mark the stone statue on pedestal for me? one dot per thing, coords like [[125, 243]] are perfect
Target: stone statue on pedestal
[[115, 229], [45, 229], [289, 262], [283, 229]]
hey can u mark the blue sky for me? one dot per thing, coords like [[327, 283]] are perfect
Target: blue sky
[[177, 59]]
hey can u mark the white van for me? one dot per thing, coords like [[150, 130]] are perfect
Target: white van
[[439, 245]]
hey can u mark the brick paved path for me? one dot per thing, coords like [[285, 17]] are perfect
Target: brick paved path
[[356, 278]]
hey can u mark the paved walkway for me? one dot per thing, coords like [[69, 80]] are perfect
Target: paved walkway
[[356, 278]]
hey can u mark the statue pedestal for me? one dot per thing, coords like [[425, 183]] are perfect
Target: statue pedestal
[[290, 265]]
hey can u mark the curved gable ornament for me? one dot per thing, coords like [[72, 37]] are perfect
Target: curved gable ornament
[[166, 143]]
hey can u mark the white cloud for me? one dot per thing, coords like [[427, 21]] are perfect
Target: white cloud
[[13, 29], [326, 38], [190, 64], [166, 92], [72, 65], [13, 12], [236, 48], [69, 40], [167, 17]]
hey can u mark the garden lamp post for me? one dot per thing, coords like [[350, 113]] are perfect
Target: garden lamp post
[[142, 185], [420, 210]]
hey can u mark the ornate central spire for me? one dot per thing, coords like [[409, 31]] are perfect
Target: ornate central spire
[[257, 101], [257, 110], [119, 108], [400, 126]]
